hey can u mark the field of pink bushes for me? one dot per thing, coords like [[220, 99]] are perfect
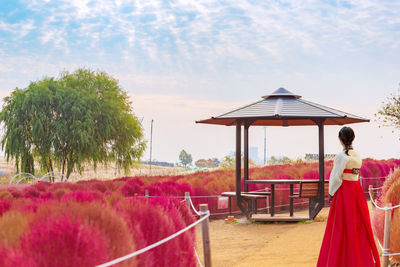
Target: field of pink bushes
[[373, 172], [92, 222], [390, 193]]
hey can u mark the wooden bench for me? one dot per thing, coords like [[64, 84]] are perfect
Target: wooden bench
[[308, 190], [254, 196]]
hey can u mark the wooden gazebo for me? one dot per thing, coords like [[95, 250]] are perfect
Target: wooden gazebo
[[281, 108]]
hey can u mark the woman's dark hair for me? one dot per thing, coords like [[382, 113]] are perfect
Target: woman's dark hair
[[346, 134]]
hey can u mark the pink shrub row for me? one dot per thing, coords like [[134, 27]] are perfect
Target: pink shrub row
[[91, 222], [204, 186], [86, 228]]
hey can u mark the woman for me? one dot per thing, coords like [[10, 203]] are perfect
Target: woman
[[348, 239]]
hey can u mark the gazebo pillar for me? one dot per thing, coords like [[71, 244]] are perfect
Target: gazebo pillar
[[246, 156], [321, 158], [239, 202], [320, 200]]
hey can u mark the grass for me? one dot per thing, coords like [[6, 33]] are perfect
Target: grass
[[103, 172], [305, 222]]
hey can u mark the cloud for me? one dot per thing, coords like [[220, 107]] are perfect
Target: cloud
[[211, 32], [19, 29]]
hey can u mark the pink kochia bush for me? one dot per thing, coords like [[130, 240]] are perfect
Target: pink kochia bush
[[204, 187], [390, 194], [176, 252], [59, 241], [92, 222], [85, 228]]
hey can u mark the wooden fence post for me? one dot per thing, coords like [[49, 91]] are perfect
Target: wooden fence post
[[386, 236], [372, 192], [187, 199], [267, 201], [206, 235]]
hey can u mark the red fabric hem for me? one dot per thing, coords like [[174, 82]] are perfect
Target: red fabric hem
[[348, 239]]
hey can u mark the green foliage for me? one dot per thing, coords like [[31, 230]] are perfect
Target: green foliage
[[389, 113], [229, 161], [285, 160], [185, 158], [81, 117], [207, 163]]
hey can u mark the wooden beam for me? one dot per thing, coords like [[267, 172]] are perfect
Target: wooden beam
[[246, 156], [239, 199], [321, 160], [317, 204]]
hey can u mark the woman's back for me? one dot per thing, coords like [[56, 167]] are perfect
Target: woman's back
[[354, 162]]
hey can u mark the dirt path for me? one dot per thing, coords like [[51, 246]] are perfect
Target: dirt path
[[267, 244]]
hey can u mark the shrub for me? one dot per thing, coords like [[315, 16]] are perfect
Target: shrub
[[60, 192], [378, 222], [131, 188], [41, 186], [30, 192], [5, 205], [83, 196], [12, 225], [112, 197], [108, 222], [155, 224], [99, 186], [390, 194], [98, 216], [391, 179], [14, 257], [47, 195], [6, 194], [311, 174], [15, 193], [394, 235], [59, 241], [113, 185]]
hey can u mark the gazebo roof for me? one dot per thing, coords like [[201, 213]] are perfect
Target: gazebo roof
[[283, 108]]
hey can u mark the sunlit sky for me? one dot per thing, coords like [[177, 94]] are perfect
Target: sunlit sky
[[186, 60]]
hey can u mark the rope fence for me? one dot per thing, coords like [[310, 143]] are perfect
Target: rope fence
[[386, 251], [387, 226], [382, 208], [204, 213], [197, 257]]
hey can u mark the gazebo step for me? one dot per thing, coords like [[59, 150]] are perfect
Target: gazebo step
[[279, 218]]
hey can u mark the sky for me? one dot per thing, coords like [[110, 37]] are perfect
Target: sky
[[186, 60]]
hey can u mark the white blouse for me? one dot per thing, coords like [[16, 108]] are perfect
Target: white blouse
[[335, 179]]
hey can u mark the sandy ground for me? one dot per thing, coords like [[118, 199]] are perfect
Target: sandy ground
[[265, 244]]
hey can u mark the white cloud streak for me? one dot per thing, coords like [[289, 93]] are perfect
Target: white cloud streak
[[205, 30]]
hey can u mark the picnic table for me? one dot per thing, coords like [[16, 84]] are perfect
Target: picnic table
[[307, 189]]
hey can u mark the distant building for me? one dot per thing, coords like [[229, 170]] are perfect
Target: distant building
[[158, 163], [253, 155], [316, 156]]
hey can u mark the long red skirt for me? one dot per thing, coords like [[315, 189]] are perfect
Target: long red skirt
[[348, 239]]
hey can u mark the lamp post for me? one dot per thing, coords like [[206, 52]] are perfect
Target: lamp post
[[265, 145], [151, 142]]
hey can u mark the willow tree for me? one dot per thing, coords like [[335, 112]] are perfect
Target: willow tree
[[83, 117]]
